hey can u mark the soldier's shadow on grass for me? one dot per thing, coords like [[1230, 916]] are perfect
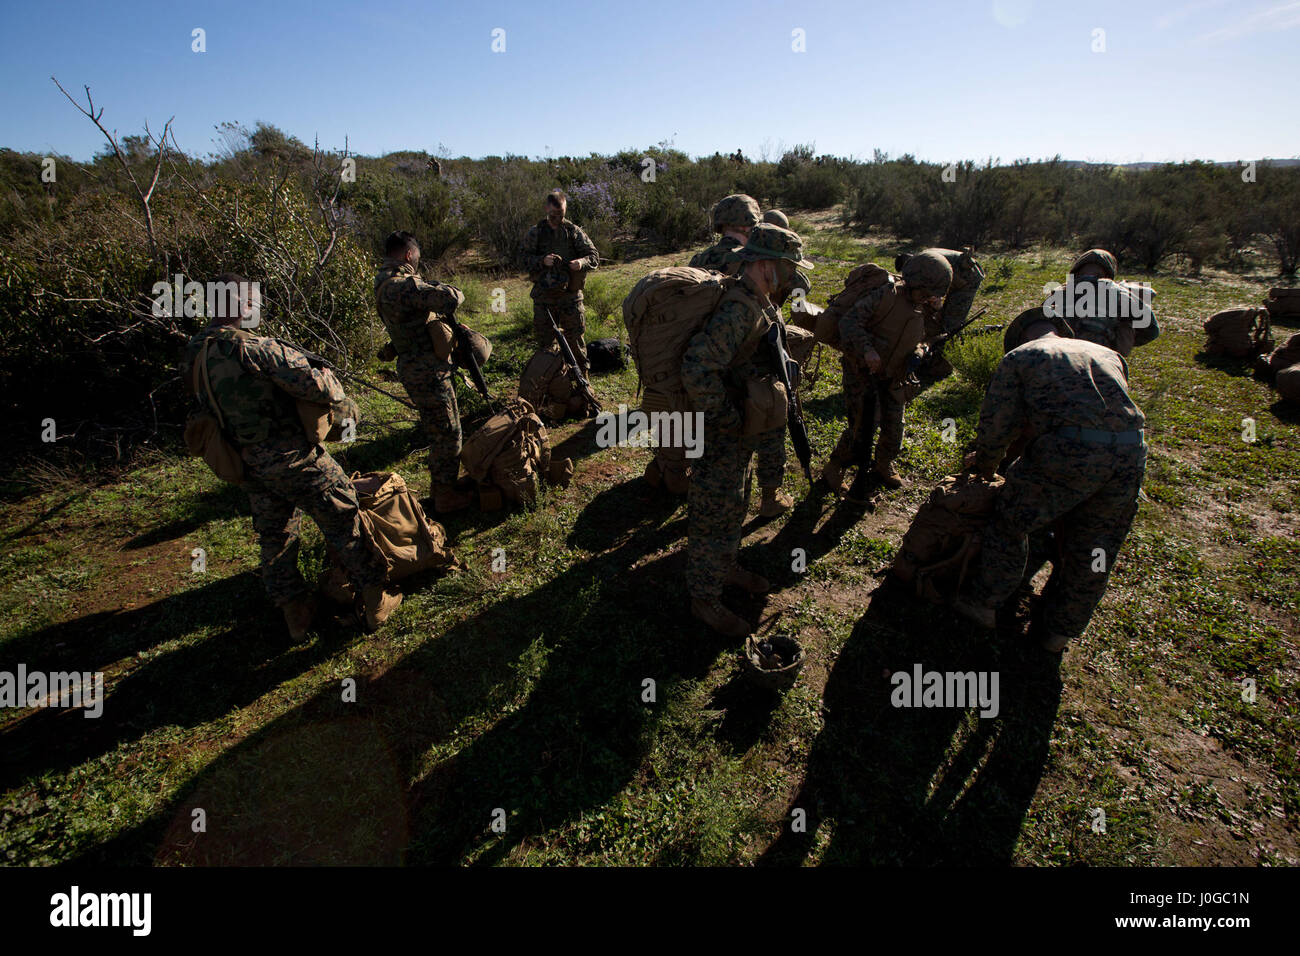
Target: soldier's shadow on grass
[[922, 786], [1236, 367], [203, 679], [224, 501], [548, 687], [1285, 410]]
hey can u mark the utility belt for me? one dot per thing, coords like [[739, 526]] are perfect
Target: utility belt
[[1096, 436]]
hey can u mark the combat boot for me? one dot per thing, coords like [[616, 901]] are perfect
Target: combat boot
[[449, 498], [738, 577], [719, 618], [298, 615], [377, 604], [775, 503], [887, 476], [334, 585], [833, 476], [654, 476]]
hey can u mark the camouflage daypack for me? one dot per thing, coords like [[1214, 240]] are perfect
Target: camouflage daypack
[[1241, 333], [857, 283], [662, 313], [397, 526], [944, 535], [510, 455]]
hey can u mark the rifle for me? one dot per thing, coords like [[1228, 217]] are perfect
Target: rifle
[[916, 361], [787, 369], [575, 373], [466, 347], [318, 361]]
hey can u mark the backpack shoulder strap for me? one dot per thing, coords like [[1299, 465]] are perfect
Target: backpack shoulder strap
[[207, 382]]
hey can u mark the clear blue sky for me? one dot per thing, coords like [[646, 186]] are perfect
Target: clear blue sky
[[1210, 79]]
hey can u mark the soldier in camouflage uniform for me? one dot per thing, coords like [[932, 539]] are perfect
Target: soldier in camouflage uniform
[[722, 362], [257, 383], [734, 216], [411, 311], [879, 334], [966, 278], [1122, 332], [557, 255], [1081, 473]]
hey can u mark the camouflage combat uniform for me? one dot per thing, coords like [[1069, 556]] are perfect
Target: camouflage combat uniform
[[1081, 473], [769, 445], [868, 395], [966, 278], [550, 284], [405, 302], [720, 359], [1121, 332], [256, 382]]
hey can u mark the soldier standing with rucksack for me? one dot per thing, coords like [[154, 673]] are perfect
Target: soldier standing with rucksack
[[727, 373], [879, 334], [734, 216]]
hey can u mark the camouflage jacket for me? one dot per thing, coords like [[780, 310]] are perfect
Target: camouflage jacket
[[1052, 383], [406, 304], [715, 256], [257, 383], [729, 350], [568, 242], [1109, 309]]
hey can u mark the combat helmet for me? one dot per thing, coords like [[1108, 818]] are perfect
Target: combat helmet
[[1015, 333], [777, 218], [928, 271], [767, 241], [1099, 257], [734, 210]]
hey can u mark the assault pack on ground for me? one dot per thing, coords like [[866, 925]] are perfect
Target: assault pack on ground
[[1243, 332], [944, 537], [397, 527], [547, 386], [510, 456]]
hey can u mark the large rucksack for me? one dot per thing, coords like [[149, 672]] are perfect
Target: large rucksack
[[1241, 333], [662, 313], [545, 385], [944, 536], [1283, 303], [857, 283], [510, 455]]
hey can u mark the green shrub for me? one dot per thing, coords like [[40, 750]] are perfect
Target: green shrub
[[975, 357]]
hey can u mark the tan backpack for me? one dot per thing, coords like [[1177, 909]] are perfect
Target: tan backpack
[[1240, 333], [857, 283], [662, 313], [1288, 383], [545, 385], [397, 526], [1283, 302], [510, 453], [944, 535]]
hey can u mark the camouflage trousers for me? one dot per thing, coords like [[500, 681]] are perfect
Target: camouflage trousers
[[430, 382], [571, 316], [869, 399], [286, 477], [1089, 494], [770, 448], [715, 509]]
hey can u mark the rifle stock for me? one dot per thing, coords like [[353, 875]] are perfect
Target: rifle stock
[[575, 372], [787, 369]]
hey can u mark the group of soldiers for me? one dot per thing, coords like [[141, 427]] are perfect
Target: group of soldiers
[[1057, 417]]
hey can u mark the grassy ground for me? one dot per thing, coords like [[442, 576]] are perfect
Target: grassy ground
[[571, 701]]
